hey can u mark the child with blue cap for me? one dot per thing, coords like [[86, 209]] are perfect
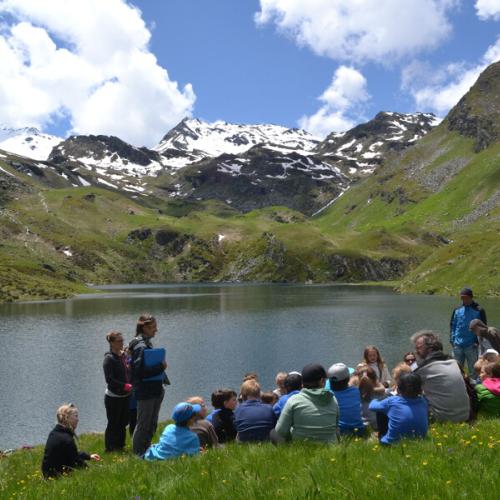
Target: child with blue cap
[[177, 439]]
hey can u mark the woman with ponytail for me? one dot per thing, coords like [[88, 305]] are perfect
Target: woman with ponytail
[[61, 454], [118, 390]]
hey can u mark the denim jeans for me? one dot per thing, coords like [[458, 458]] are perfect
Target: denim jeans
[[466, 353]]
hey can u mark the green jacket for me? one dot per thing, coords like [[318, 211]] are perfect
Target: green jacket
[[488, 402], [312, 414]]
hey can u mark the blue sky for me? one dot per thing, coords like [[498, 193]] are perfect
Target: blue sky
[[134, 69], [245, 73]]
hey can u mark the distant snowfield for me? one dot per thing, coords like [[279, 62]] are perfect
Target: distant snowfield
[[28, 142], [213, 139]]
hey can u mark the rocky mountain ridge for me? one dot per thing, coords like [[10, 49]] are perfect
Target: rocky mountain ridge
[[427, 217], [244, 166]]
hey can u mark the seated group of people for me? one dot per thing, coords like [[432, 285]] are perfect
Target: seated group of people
[[317, 405]]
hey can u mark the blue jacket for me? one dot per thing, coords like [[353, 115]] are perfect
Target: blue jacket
[[278, 407], [460, 335], [174, 442], [407, 417], [254, 420], [349, 401], [144, 389]]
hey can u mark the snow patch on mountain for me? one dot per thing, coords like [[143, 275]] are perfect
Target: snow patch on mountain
[[193, 140], [28, 142]]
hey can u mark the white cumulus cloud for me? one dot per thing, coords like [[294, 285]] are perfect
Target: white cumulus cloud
[[90, 61], [439, 90], [346, 92], [361, 30], [488, 9]]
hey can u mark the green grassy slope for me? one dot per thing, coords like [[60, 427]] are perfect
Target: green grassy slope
[[428, 218], [455, 461], [439, 203]]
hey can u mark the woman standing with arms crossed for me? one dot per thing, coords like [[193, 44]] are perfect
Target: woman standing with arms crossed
[[118, 390], [149, 393]]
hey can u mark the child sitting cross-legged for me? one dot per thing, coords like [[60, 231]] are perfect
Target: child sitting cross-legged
[[224, 401], [406, 413], [177, 439], [348, 399], [488, 391]]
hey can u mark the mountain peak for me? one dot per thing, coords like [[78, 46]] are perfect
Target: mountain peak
[[477, 114], [27, 141], [194, 139], [361, 149]]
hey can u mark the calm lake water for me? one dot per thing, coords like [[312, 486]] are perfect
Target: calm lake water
[[52, 352]]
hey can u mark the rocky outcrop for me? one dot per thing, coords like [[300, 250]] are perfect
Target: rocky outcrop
[[347, 268], [477, 114], [262, 177], [360, 150], [100, 147]]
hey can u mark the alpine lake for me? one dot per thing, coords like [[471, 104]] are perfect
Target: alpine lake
[[52, 352]]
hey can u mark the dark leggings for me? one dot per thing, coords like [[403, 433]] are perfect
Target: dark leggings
[[117, 411], [132, 420], [382, 424]]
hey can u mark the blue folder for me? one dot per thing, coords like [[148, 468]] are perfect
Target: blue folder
[[153, 357]]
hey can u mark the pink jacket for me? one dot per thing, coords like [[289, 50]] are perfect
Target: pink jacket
[[493, 385]]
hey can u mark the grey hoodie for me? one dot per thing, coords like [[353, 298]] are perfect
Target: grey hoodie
[[312, 414], [444, 388]]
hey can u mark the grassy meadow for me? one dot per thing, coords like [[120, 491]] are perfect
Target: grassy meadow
[[455, 461]]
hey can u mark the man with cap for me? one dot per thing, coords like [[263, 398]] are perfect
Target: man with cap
[[312, 414], [177, 439], [348, 399], [463, 341]]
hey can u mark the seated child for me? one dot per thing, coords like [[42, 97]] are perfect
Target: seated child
[[253, 419], [399, 369], [177, 439], [488, 391], [280, 384], [293, 385], [407, 413], [348, 399], [490, 355], [370, 388], [202, 427], [269, 398], [61, 454], [224, 401]]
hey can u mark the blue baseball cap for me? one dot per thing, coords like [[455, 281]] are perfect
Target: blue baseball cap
[[184, 411]]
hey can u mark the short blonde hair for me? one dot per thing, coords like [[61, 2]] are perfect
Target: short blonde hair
[[195, 400], [250, 389], [398, 370], [64, 412]]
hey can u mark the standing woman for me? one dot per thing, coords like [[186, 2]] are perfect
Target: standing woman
[[118, 390], [149, 393], [374, 360], [61, 454]]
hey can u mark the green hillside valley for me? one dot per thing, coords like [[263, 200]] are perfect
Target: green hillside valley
[[426, 220]]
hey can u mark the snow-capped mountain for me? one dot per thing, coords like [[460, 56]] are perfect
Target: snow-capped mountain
[[261, 176], [28, 141], [193, 140], [113, 162], [245, 166], [360, 150]]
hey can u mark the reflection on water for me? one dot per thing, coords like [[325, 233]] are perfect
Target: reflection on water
[[52, 351]]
